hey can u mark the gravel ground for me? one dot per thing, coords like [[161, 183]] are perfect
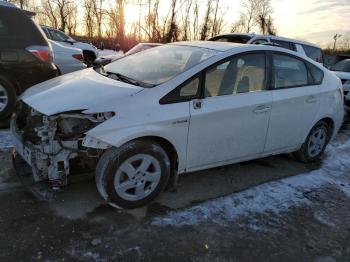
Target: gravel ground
[[274, 209]]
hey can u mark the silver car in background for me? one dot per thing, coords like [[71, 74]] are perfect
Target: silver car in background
[[67, 59]]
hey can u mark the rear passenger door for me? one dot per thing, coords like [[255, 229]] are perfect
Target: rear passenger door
[[296, 100]]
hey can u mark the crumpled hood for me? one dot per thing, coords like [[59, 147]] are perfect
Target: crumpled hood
[[82, 90]]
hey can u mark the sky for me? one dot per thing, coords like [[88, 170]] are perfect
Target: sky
[[314, 21], [311, 20]]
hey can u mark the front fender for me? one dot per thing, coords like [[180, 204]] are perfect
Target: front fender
[[119, 137]]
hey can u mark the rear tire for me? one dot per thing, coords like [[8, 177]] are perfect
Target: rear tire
[[134, 174], [315, 144], [7, 99]]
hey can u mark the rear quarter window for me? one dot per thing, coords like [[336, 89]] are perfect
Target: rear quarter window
[[15, 24], [316, 74], [314, 53]]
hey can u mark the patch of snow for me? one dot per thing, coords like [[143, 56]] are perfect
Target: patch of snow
[[5, 140], [274, 197], [106, 52]]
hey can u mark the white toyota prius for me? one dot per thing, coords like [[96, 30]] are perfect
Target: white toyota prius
[[140, 121]]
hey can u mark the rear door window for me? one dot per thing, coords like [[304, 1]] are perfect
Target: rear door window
[[15, 24], [289, 72], [284, 44], [314, 53]]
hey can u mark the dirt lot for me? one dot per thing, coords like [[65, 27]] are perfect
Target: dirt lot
[[273, 209]]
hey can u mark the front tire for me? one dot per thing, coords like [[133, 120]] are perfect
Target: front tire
[[315, 144], [134, 174], [7, 99]]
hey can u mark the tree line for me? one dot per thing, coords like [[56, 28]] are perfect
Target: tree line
[[184, 19]]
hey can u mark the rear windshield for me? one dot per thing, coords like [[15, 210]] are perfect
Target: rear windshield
[[284, 44], [15, 24], [314, 53], [239, 39], [160, 64]]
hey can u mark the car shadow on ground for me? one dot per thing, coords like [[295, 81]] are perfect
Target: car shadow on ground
[[82, 200]]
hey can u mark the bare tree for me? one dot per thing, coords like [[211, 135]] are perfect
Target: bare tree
[[89, 18], [195, 20], [186, 20], [206, 22], [72, 23], [23, 4], [58, 12], [98, 14], [336, 38], [248, 14], [263, 16], [172, 33], [121, 25]]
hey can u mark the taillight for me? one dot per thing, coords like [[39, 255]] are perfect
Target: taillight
[[44, 53], [80, 57]]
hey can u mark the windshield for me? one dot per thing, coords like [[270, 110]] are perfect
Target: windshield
[[139, 48], [158, 65], [343, 66]]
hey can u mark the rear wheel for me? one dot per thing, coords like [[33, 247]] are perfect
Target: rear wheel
[[7, 99], [134, 174], [315, 143]]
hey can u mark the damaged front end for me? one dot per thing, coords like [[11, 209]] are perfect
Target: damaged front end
[[53, 146]]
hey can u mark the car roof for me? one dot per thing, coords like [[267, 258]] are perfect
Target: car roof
[[7, 4], [218, 46], [271, 36], [155, 44]]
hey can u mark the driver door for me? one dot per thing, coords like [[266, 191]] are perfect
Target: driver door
[[231, 122]]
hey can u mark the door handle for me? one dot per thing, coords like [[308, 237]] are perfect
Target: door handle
[[262, 109], [311, 99]]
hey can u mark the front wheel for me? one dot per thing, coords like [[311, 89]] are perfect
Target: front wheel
[[134, 174], [315, 143]]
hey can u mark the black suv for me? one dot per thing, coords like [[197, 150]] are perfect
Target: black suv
[[25, 56]]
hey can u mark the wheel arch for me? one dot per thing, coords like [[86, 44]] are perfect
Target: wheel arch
[[12, 81], [168, 147], [326, 119]]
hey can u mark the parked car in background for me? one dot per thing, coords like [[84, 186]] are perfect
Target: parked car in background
[[90, 52], [177, 108], [310, 50], [67, 59], [104, 60], [25, 56], [342, 70]]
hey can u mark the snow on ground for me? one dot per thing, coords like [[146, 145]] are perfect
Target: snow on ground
[[274, 197], [106, 52], [5, 140]]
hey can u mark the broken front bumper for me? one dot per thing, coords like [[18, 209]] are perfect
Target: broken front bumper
[[48, 160]]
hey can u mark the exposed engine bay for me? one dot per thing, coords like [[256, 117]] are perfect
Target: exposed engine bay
[[53, 145]]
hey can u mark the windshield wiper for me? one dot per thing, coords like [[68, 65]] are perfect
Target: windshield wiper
[[127, 79], [119, 77]]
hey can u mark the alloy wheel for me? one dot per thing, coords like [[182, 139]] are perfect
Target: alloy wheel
[[317, 141], [3, 98], [137, 177]]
